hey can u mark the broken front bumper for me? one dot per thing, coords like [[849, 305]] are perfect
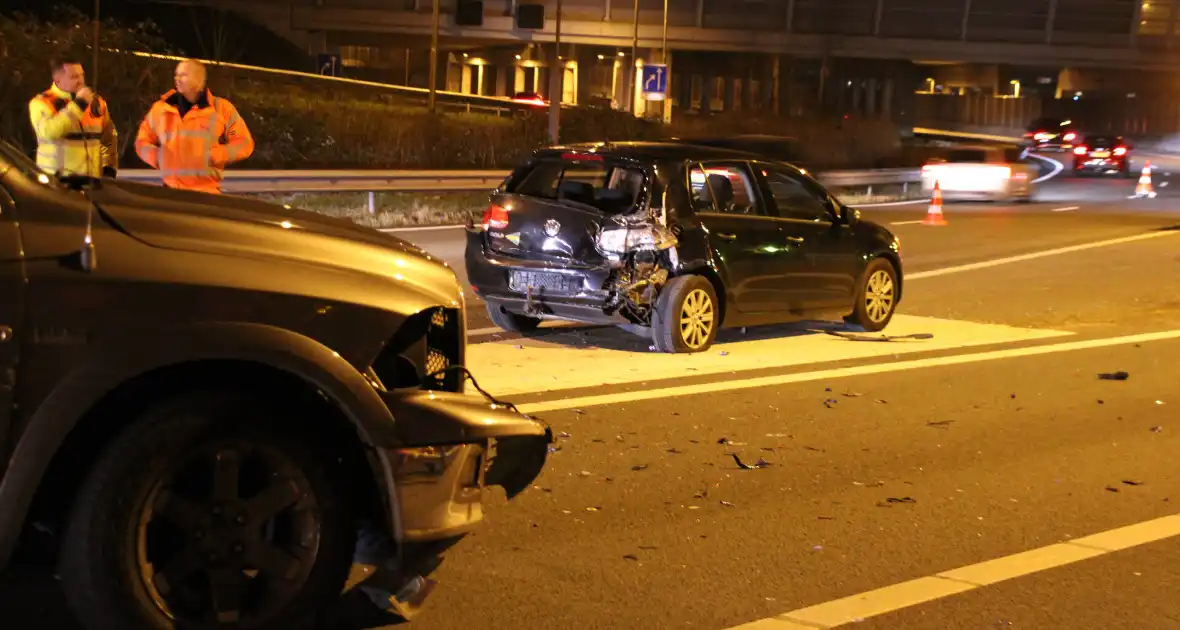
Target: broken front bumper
[[452, 447]]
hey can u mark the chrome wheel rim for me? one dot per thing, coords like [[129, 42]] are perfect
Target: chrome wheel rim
[[879, 296], [696, 319]]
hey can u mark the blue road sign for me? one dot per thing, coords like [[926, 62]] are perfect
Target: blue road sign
[[328, 64], [655, 79]]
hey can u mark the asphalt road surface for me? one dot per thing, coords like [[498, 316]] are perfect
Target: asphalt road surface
[[984, 478]]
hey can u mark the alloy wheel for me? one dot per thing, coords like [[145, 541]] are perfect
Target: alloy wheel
[[231, 536], [879, 295], [696, 319]]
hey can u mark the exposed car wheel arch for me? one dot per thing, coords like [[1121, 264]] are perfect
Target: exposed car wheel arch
[[103, 423]]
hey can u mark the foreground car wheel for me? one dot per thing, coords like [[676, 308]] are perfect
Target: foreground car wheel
[[207, 514], [876, 298], [686, 316], [511, 321]]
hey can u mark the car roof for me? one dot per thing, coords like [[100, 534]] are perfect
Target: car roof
[[655, 150]]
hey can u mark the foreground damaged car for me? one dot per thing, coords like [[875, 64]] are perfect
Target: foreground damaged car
[[673, 241], [212, 407]]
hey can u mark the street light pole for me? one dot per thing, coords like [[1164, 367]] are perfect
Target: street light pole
[[665, 48], [634, 57], [94, 63], [434, 59], [556, 74]]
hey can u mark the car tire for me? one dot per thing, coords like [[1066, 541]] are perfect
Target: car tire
[[879, 278], [686, 296], [116, 538], [512, 322]]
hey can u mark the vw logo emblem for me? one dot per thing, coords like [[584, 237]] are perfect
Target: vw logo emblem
[[552, 227]]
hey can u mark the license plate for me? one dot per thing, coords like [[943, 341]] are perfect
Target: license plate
[[522, 281], [1100, 154]]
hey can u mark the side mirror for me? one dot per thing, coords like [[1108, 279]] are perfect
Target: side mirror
[[849, 216]]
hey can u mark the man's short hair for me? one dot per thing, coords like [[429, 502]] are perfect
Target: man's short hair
[[57, 63]]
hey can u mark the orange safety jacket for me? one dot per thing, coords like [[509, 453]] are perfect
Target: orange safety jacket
[[72, 140], [192, 151]]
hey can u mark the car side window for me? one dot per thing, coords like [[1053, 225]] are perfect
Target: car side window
[[724, 189], [793, 197]]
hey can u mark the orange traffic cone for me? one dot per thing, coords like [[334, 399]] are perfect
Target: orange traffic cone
[[934, 214], [1143, 188]]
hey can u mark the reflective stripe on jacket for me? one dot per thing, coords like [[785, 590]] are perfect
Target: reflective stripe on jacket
[[70, 140], [192, 151]]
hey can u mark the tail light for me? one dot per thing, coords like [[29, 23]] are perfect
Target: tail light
[[1070, 136], [495, 217], [1120, 150], [1080, 151]]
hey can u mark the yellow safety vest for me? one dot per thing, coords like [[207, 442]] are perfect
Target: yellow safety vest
[[71, 140]]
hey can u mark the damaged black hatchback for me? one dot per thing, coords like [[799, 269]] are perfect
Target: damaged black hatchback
[[674, 241]]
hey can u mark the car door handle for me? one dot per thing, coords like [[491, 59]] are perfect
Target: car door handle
[[795, 239], [727, 236]]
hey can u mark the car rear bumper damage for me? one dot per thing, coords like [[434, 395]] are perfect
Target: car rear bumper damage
[[621, 290]]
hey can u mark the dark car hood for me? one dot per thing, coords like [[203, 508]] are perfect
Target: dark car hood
[[232, 225]]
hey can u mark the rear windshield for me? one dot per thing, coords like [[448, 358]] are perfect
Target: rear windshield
[[971, 156], [1103, 141], [606, 184]]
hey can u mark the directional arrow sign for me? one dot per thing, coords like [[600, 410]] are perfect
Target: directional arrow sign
[[655, 81]]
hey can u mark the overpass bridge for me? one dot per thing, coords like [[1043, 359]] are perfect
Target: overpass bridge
[[863, 57]]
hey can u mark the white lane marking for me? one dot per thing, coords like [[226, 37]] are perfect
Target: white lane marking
[[859, 607], [821, 375], [1041, 254], [561, 363], [907, 222], [1066, 209], [1057, 168], [421, 228]]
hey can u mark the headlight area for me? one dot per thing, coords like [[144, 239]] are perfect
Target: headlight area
[[422, 352]]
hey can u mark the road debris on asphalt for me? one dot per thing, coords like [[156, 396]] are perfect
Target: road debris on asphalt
[[761, 463], [892, 500], [1131, 482], [851, 336], [1114, 376], [639, 467], [940, 424]]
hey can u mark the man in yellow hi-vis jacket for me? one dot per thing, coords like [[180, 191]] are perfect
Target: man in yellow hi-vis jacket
[[75, 134]]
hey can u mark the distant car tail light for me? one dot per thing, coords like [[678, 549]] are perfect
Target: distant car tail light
[[1070, 136], [1120, 150], [1080, 151], [496, 217]]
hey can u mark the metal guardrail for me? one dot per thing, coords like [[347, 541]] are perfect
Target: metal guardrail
[[342, 181], [447, 181], [965, 135]]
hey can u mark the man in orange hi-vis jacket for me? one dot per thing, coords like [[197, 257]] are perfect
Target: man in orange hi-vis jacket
[[191, 135]]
